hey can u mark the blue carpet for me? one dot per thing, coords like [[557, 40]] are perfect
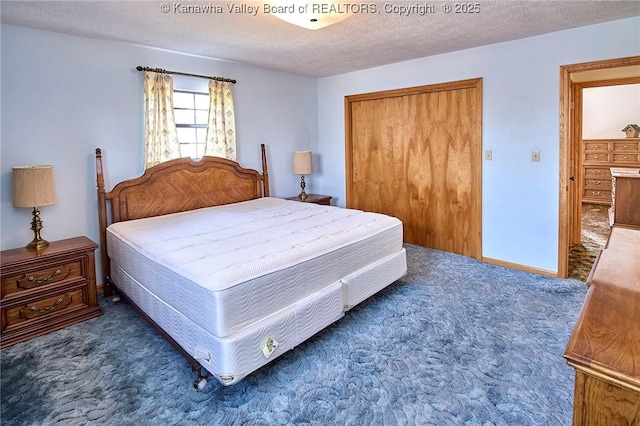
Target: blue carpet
[[455, 342]]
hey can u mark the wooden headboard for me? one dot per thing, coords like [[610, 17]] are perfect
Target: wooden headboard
[[175, 186]]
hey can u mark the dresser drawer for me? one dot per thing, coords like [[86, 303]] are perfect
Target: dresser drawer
[[625, 157], [626, 146], [597, 194], [597, 184], [596, 156], [596, 145], [47, 309], [15, 284], [597, 172]]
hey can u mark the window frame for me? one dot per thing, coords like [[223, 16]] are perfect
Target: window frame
[[197, 145]]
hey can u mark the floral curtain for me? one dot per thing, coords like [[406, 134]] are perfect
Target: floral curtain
[[160, 138], [221, 126]]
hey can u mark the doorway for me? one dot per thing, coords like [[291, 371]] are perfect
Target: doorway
[[573, 78]]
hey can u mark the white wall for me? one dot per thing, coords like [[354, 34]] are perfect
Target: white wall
[[607, 110], [520, 113], [63, 96]]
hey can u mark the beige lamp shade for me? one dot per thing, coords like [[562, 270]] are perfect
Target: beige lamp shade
[[33, 186], [302, 164]]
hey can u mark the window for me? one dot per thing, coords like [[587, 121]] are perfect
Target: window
[[191, 111]]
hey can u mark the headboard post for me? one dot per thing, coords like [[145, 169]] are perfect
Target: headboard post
[[102, 218], [265, 172]]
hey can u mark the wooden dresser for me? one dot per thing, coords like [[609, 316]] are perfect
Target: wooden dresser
[[625, 197], [46, 290], [599, 155], [604, 346]]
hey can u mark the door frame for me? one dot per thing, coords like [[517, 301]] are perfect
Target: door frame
[[570, 185]]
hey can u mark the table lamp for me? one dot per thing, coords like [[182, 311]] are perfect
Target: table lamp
[[33, 187], [302, 165]]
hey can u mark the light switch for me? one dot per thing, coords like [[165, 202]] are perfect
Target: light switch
[[487, 154], [535, 156]]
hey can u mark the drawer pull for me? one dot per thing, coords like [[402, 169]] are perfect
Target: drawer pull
[[597, 171], [596, 182], [48, 308], [625, 157], [596, 156], [45, 279], [595, 193]]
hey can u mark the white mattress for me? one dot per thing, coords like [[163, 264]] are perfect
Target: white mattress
[[226, 268]]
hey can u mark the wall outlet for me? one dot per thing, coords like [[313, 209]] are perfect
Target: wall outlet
[[488, 154], [535, 156]]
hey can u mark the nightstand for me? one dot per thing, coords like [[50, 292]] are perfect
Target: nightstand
[[314, 198], [46, 290]]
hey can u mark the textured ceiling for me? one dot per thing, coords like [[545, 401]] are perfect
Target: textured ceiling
[[366, 39]]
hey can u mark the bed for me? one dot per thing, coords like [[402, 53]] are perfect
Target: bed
[[230, 276]]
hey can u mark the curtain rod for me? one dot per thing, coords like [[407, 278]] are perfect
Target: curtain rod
[[160, 70]]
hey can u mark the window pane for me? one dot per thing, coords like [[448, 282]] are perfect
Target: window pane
[[184, 116], [202, 117], [202, 102], [188, 150], [201, 134], [199, 150], [183, 100], [186, 135]]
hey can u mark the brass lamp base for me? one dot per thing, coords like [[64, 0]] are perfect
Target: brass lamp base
[[36, 225], [37, 244], [303, 195]]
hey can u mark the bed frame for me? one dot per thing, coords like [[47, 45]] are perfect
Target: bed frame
[[171, 187]]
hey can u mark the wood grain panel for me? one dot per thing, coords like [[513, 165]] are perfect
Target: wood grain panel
[[627, 201], [416, 155], [377, 164], [599, 402]]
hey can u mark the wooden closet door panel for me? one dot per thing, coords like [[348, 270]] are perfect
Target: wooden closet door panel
[[376, 172], [444, 171]]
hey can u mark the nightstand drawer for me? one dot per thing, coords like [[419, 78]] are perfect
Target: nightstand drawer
[[25, 314], [16, 284]]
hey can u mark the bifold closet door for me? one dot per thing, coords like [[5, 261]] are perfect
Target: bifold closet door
[[416, 154]]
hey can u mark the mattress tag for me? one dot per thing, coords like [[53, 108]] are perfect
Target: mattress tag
[[269, 347], [202, 354]]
